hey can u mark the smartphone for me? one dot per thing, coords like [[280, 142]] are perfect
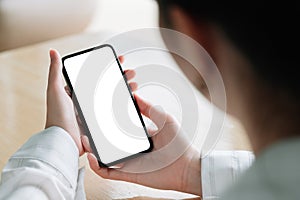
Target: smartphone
[[103, 98]]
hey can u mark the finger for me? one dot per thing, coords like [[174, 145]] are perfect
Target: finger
[[155, 113], [130, 74], [79, 122], [152, 131], [93, 162], [108, 173], [121, 59], [133, 86], [86, 143], [144, 106], [68, 91], [55, 71]]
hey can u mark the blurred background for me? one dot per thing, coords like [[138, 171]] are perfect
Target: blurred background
[[28, 28], [25, 22]]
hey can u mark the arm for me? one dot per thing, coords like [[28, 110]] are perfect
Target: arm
[[45, 167]]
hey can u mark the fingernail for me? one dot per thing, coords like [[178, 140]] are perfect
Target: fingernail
[[51, 52], [121, 58]]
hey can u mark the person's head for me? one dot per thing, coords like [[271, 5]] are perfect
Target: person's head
[[254, 45]]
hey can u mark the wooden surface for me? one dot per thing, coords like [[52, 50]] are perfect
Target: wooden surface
[[23, 76]]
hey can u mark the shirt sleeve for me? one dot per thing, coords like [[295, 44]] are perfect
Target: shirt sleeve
[[45, 167], [220, 169]]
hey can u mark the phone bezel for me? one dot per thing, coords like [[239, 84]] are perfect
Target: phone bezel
[[81, 116]]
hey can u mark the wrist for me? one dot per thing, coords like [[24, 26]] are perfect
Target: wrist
[[192, 174]]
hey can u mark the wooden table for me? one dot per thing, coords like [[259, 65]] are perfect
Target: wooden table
[[23, 78]]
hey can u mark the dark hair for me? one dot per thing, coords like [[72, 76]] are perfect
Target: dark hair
[[266, 33]]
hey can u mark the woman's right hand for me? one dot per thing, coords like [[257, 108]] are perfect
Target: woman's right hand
[[182, 174]]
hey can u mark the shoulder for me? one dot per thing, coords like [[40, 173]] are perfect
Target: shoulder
[[273, 175]]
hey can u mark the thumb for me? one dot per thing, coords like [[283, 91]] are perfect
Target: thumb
[[86, 144], [55, 71], [93, 162], [155, 113]]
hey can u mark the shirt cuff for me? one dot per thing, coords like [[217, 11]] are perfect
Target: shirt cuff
[[55, 147], [220, 169]]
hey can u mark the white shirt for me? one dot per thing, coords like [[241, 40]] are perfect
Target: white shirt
[[46, 167], [220, 169]]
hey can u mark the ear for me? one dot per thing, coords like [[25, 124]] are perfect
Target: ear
[[200, 31]]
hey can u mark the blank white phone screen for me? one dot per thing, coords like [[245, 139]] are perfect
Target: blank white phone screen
[[105, 103]]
